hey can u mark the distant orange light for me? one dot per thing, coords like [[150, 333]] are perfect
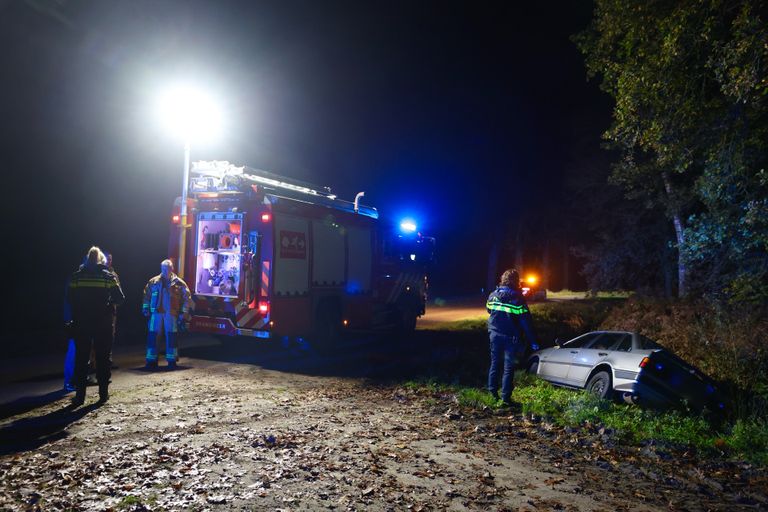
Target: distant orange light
[[531, 279], [346, 323]]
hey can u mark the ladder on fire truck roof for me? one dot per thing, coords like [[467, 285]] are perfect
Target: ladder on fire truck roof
[[221, 176]]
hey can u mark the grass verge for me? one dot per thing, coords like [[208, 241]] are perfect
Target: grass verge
[[626, 424]]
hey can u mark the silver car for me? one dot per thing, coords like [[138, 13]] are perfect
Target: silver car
[[626, 363]]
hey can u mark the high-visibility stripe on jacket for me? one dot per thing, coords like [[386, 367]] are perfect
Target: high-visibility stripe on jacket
[[181, 298], [92, 293], [509, 314]]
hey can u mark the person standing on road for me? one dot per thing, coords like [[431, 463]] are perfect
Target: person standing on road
[[166, 303], [92, 293], [509, 319]]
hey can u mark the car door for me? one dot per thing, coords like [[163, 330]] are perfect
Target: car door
[[556, 364], [591, 354]]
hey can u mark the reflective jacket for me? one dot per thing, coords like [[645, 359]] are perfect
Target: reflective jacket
[[509, 314], [180, 296], [92, 293]]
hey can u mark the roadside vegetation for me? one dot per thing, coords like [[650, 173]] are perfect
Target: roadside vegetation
[[725, 345]]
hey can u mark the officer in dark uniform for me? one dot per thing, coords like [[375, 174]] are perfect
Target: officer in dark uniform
[[93, 292], [509, 319]]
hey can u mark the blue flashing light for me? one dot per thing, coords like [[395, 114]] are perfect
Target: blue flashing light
[[659, 367], [408, 226]]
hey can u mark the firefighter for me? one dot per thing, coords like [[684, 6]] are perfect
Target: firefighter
[[92, 293], [509, 319], [166, 302]]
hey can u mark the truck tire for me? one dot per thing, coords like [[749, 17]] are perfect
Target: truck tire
[[327, 325], [408, 319]]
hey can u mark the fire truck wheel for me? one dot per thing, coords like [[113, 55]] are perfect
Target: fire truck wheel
[[408, 318], [327, 324]]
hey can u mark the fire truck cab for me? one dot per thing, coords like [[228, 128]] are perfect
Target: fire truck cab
[[266, 255]]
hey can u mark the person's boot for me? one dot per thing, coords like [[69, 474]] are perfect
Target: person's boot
[[103, 394], [79, 398], [172, 365], [150, 365]]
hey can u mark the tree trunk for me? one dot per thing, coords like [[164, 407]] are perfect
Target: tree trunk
[[519, 248], [666, 268], [677, 221], [493, 264], [566, 265], [545, 267]]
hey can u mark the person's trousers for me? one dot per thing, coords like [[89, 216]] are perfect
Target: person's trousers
[[162, 322], [69, 364], [504, 349], [100, 338], [171, 349]]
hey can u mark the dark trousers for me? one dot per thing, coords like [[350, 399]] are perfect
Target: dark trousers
[[506, 349], [100, 338]]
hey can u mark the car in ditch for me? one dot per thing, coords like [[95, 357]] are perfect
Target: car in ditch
[[629, 365]]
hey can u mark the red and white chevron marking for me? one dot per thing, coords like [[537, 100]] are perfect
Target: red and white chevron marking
[[250, 318]]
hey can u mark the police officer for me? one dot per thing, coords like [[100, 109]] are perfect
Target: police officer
[[509, 319], [166, 302], [92, 294]]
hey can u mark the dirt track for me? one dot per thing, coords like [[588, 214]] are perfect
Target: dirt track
[[278, 429]]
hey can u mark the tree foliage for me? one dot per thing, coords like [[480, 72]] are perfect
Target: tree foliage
[[690, 124]]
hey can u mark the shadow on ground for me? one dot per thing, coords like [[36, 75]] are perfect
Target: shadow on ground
[[30, 433], [451, 356]]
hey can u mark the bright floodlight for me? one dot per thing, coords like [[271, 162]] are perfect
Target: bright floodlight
[[189, 113], [408, 226]]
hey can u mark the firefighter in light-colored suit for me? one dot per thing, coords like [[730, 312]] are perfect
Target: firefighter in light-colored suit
[[166, 303]]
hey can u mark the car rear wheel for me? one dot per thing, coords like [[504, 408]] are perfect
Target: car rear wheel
[[533, 367], [600, 384]]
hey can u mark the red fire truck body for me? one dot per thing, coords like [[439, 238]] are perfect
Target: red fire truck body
[[266, 255]]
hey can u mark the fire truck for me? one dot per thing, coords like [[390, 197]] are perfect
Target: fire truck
[[271, 256]]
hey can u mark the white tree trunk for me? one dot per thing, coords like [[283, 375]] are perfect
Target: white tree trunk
[[682, 285]]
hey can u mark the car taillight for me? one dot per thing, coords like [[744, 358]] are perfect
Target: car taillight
[[644, 361], [263, 308], [175, 219]]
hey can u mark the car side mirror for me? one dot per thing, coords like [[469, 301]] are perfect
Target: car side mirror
[[558, 342]]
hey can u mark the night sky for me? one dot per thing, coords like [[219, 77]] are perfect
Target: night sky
[[463, 116]]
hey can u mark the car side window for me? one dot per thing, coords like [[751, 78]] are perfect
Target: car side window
[[625, 345], [582, 341], [607, 341]]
